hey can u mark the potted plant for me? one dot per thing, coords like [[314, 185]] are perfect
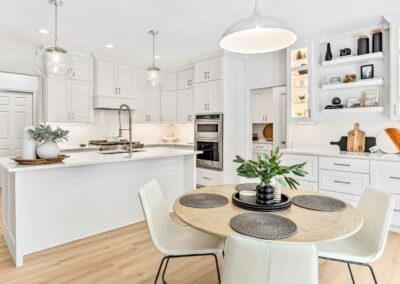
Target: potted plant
[[47, 139], [267, 167]]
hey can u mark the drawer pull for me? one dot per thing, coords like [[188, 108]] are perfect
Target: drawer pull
[[338, 164], [394, 177], [344, 182], [207, 178]]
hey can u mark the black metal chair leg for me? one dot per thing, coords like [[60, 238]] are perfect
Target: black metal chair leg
[[216, 263], [372, 272], [351, 273], [165, 269], [159, 269]]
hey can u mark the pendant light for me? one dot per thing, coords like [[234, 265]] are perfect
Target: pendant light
[[153, 72], [55, 54], [258, 34]]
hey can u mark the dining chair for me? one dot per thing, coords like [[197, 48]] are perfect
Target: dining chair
[[376, 206], [249, 260], [172, 240]]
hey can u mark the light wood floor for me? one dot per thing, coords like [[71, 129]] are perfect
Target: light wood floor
[[127, 256]]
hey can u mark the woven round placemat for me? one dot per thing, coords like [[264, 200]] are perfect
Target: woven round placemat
[[263, 226], [246, 186], [319, 203], [203, 200]]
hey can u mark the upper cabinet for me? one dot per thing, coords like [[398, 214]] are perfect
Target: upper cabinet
[[168, 106], [300, 82], [185, 106], [395, 69], [262, 106], [185, 79], [208, 70], [169, 81], [77, 67], [208, 97], [147, 106]]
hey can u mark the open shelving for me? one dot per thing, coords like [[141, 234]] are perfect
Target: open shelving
[[354, 59], [353, 110], [356, 84]]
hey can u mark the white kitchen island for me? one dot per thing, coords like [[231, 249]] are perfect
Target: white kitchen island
[[89, 193]]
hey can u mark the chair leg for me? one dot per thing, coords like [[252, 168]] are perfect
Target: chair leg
[[216, 263], [159, 268], [351, 273], [372, 272], [165, 269]]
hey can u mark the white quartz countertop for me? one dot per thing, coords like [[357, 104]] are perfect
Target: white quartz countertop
[[96, 157], [344, 154]]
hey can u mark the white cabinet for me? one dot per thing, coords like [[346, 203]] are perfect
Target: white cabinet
[[262, 106], [386, 175], [147, 106], [168, 106], [311, 166], [169, 81], [344, 164], [185, 79], [344, 182], [185, 104], [395, 69], [261, 148], [126, 80], [208, 70], [81, 68], [208, 97], [206, 177], [68, 101]]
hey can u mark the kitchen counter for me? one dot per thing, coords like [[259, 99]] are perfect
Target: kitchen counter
[[344, 154]]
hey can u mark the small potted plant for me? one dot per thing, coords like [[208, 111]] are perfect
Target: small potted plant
[[267, 167], [47, 139]]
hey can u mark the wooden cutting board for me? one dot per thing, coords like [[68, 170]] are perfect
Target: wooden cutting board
[[356, 139], [388, 141]]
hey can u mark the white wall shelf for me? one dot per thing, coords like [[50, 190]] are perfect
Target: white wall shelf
[[354, 59], [357, 84], [353, 110]]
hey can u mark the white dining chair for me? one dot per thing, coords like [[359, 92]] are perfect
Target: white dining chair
[[376, 206], [172, 240], [249, 260]]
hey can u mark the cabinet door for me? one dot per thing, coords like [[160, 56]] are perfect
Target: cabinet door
[[153, 105], [168, 80], [57, 102], [81, 101], [140, 109], [214, 69], [106, 78], [215, 99], [168, 106], [126, 81], [185, 79], [262, 106], [140, 78], [185, 106], [81, 68], [199, 72], [201, 96]]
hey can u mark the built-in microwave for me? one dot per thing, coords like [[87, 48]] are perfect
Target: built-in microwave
[[209, 126], [211, 156]]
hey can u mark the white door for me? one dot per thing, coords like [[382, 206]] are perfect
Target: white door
[[58, 91], [80, 101], [185, 106], [106, 78], [82, 68], [214, 102], [168, 107], [15, 113], [126, 81]]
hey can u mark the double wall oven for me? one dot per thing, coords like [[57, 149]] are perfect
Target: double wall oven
[[208, 138]]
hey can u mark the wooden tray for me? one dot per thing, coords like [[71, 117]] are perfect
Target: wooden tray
[[268, 132], [58, 159], [283, 205]]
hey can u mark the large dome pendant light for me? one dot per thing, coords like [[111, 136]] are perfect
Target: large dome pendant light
[[55, 54], [258, 34], [153, 72]]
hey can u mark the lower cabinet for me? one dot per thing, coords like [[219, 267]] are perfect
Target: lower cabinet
[[348, 198], [206, 177], [311, 166]]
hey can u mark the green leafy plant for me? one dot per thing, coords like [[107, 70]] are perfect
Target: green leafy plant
[[267, 167], [44, 133]]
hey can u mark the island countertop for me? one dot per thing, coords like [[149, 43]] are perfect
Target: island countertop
[[97, 157]]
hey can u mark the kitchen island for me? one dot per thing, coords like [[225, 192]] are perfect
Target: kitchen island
[[89, 193]]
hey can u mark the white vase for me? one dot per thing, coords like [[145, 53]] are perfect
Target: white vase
[[47, 150], [277, 194]]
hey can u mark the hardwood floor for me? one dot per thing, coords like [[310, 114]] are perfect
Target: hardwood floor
[[127, 255]]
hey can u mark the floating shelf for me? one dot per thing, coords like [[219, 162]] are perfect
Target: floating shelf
[[354, 59], [357, 84], [353, 110]]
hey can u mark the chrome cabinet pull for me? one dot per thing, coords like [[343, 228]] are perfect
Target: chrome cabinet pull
[[207, 178], [339, 164], [394, 177], [116, 90], [344, 182]]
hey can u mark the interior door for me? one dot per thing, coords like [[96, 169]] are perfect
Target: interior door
[[81, 95], [16, 112], [126, 80], [106, 78], [58, 100]]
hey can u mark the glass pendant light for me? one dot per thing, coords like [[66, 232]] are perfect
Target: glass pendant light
[[153, 72], [56, 58], [258, 34]]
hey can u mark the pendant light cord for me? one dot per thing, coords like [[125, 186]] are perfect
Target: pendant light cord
[[55, 26], [154, 61]]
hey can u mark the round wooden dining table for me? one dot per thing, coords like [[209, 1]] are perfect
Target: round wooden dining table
[[312, 226]]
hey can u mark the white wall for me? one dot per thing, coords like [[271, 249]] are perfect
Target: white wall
[[16, 58]]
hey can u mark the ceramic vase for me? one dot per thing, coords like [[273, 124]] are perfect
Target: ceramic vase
[[265, 195], [277, 194], [47, 150], [328, 54]]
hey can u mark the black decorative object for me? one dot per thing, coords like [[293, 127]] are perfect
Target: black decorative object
[[377, 40], [253, 206], [336, 101], [334, 106], [342, 143], [345, 51], [363, 45], [367, 71], [328, 54], [265, 195]]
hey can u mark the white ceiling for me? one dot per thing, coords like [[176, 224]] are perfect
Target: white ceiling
[[187, 28]]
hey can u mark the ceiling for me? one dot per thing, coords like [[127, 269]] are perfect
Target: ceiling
[[187, 28]]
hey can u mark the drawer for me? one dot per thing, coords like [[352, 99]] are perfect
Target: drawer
[[258, 147], [345, 165], [350, 183], [208, 177], [311, 166], [348, 198], [386, 176]]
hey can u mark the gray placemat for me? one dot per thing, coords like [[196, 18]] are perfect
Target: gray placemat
[[263, 226], [204, 200], [246, 186], [319, 203]]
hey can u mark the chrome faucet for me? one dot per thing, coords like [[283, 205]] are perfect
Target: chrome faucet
[[130, 126]]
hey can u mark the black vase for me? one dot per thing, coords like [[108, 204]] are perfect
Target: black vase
[[377, 41], [363, 45], [265, 195], [328, 54]]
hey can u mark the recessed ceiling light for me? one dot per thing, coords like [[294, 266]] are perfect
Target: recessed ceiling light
[[43, 31], [157, 56], [109, 45]]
